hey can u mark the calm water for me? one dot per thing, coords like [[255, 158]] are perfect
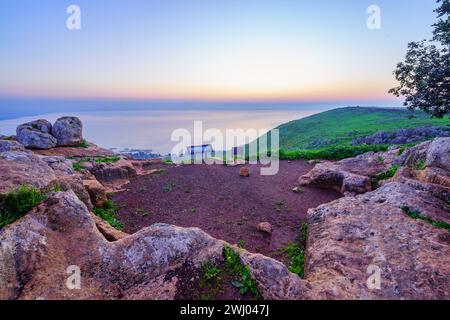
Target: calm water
[[152, 129]]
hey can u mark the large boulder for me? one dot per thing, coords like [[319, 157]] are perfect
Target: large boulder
[[354, 238], [68, 131], [350, 176], [36, 135], [21, 167], [438, 154]]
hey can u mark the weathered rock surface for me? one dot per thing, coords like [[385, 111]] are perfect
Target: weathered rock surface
[[68, 131], [19, 166], [265, 227], [36, 135], [67, 178], [404, 136], [351, 236], [10, 145], [97, 192], [350, 176], [37, 250], [92, 150], [438, 154]]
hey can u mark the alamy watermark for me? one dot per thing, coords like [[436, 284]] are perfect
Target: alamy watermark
[[374, 280], [73, 282], [73, 21], [374, 20]]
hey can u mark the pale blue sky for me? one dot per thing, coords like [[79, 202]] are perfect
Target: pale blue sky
[[206, 49]]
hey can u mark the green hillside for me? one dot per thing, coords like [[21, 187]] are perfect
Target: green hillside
[[341, 126]]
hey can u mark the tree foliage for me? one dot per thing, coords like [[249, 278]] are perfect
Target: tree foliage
[[424, 76]]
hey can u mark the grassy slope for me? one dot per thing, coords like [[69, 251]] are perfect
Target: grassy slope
[[341, 126]]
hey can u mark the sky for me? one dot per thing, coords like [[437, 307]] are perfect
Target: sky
[[211, 50]]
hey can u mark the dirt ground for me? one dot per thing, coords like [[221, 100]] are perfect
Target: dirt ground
[[228, 207]]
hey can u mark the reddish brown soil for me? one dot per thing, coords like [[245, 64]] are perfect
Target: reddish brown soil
[[225, 205]]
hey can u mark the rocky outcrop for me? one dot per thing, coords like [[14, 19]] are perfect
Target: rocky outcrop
[[354, 237], [438, 154], [67, 179], [392, 232], [36, 135], [21, 167], [350, 176], [38, 251], [68, 131], [97, 192], [404, 136]]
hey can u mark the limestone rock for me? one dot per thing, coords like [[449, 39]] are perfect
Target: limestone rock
[[97, 192], [36, 135], [331, 176], [10, 145], [22, 167], [244, 172], [350, 237], [265, 227], [350, 176], [68, 179], [68, 131], [113, 175], [438, 154]]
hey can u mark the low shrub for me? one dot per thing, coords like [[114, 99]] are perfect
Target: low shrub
[[386, 175], [109, 213], [243, 281], [18, 202]]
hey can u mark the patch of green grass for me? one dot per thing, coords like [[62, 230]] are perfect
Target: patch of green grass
[[401, 151], [111, 159], [18, 202], [419, 165], [77, 166], [160, 171], [386, 175], [241, 244], [243, 278], [297, 256], [296, 252], [304, 233], [380, 159], [142, 189], [6, 218], [168, 161], [341, 126], [416, 214], [109, 213], [168, 187], [142, 212], [331, 153], [211, 282], [210, 271], [83, 144]]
